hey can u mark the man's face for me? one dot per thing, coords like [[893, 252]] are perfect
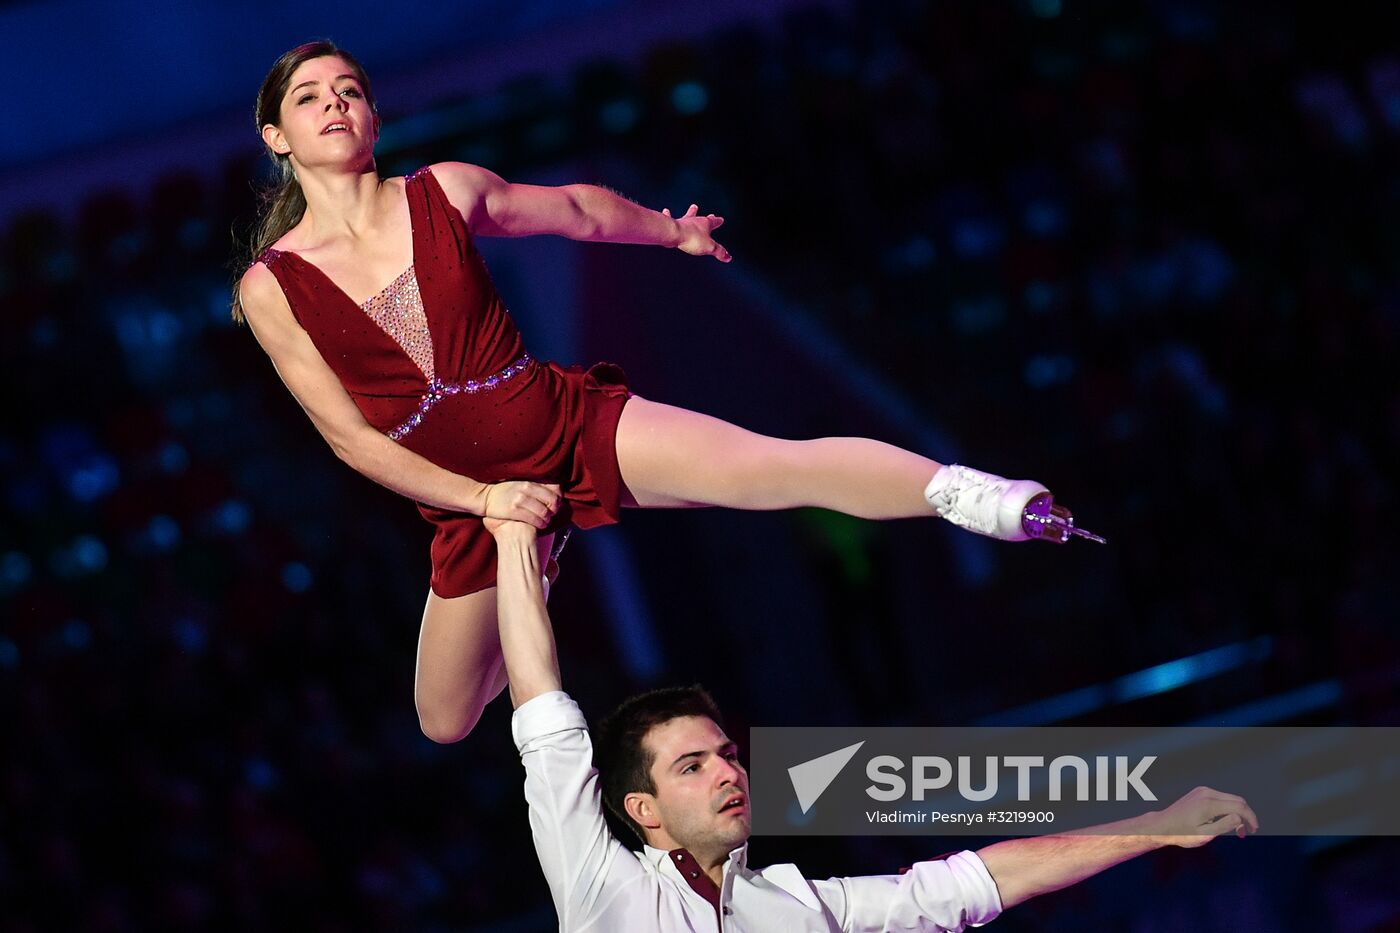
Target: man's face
[[702, 792]]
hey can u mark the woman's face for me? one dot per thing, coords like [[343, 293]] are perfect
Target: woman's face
[[325, 118]]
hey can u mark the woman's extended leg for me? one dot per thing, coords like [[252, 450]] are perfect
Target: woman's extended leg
[[674, 458], [460, 668]]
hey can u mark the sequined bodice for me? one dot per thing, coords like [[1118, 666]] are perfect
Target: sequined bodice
[[436, 363], [398, 310], [438, 331]]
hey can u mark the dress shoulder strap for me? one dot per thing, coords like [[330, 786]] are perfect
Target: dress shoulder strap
[[441, 218], [267, 257], [427, 182]]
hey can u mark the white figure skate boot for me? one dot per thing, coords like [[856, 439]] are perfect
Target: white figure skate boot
[[1008, 509]]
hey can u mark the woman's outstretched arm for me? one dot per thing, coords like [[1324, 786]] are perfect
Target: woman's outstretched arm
[[494, 207], [354, 440]]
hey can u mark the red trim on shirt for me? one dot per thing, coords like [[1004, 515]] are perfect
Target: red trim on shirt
[[694, 875]]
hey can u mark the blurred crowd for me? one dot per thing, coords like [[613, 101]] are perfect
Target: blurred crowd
[[1144, 252]]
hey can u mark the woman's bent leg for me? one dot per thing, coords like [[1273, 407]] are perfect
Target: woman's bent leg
[[460, 668], [674, 458], [459, 657]]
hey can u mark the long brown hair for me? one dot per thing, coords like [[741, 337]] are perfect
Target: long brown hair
[[282, 204]]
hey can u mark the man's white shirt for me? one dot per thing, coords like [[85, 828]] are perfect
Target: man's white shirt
[[599, 885]]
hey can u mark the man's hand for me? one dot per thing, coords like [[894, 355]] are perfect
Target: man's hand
[[1200, 816], [505, 529], [507, 532], [696, 232], [1026, 868], [520, 501]]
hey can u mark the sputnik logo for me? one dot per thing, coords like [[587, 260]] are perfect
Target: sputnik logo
[[811, 778]]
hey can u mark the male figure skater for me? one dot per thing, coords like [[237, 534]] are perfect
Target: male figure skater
[[674, 776]]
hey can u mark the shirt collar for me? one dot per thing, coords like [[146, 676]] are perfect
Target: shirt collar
[[738, 858]]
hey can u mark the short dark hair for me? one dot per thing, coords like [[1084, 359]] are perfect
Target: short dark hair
[[623, 761]]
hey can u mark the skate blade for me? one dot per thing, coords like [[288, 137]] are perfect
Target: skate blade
[[1044, 519], [1088, 535]]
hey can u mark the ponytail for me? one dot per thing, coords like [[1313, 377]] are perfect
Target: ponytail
[[280, 207]]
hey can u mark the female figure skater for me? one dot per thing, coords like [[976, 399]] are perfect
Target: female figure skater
[[424, 385]]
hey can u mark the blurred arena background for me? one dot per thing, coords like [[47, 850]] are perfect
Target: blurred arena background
[[1145, 252]]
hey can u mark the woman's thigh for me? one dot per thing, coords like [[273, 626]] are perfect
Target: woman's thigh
[[672, 458], [459, 653], [459, 667]]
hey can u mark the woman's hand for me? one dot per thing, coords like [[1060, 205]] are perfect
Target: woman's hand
[[520, 501], [695, 233]]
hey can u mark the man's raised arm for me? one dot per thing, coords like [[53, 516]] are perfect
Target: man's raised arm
[[527, 638], [581, 860]]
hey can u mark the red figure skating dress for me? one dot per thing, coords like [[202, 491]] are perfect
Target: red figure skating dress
[[435, 362]]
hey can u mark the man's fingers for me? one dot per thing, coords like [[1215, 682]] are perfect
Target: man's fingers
[[694, 209], [665, 212], [1239, 806], [1222, 824], [1238, 820], [1228, 823], [716, 222], [499, 526]]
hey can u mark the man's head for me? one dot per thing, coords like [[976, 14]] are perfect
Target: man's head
[[670, 773]]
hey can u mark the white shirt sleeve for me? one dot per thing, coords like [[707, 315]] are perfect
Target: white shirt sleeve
[[949, 894], [582, 861]]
